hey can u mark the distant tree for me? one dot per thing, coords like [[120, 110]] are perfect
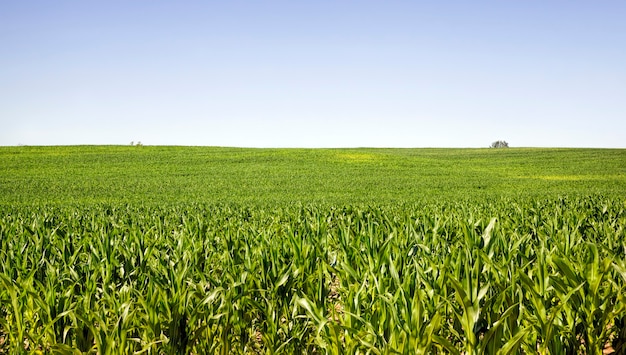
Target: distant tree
[[499, 144]]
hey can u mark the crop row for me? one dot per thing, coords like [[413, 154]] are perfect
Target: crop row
[[499, 277]]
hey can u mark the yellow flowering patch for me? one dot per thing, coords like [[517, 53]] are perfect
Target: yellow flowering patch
[[562, 177], [357, 157]]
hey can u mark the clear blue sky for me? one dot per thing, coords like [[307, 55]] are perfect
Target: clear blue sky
[[548, 73]]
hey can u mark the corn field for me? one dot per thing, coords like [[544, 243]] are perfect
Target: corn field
[[500, 277]]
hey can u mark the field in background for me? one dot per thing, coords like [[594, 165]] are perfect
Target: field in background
[[147, 174], [170, 250]]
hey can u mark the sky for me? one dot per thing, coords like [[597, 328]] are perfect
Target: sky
[[343, 73]]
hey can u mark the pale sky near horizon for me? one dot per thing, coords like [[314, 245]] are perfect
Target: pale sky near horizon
[[536, 73]]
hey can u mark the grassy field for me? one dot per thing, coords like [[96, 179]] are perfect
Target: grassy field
[[198, 250], [336, 176]]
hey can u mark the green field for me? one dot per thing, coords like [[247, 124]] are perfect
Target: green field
[[160, 175], [202, 250]]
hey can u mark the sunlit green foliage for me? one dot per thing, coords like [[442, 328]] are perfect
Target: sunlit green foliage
[[493, 277], [170, 250]]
